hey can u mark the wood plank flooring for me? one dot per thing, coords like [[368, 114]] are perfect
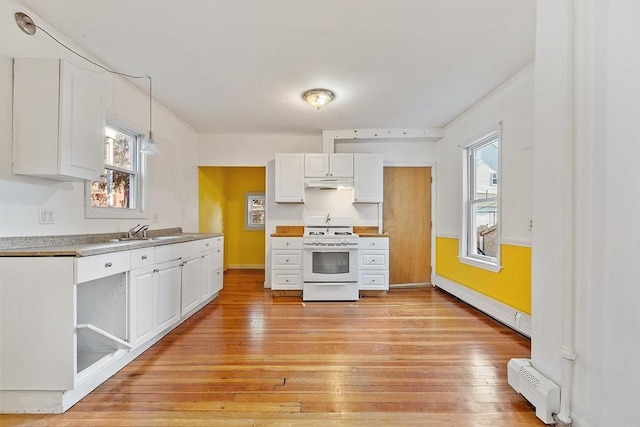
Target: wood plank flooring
[[415, 357]]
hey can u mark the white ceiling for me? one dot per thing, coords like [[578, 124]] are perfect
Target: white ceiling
[[241, 66]]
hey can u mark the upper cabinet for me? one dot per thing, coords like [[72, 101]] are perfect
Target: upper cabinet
[[289, 178], [58, 121], [367, 178], [337, 165]]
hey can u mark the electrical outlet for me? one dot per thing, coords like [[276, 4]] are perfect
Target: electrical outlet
[[530, 224], [154, 217], [46, 216]]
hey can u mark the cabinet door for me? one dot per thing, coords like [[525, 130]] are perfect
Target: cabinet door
[[341, 165], [82, 122], [217, 277], [289, 179], [191, 275], [316, 165], [166, 295], [206, 283], [141, 305], [368, 175]]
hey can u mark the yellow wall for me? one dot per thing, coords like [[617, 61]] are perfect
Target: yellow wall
[[512, 285], [221, 200]]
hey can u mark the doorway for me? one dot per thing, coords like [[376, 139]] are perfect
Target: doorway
[[407, 219]]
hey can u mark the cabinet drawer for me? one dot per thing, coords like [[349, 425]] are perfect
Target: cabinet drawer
[[286, 260], [374, 279], [191, 249], [142, 257], [286, 280], [286, 243], [217, 259], [206, 244], [378, 243], [374, 259], [168, 252], [94, 267], [330, 291]]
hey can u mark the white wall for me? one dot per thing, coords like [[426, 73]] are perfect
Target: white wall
[[395, 153], [587, 139], [172, 176], [511, 103], [252, 149]]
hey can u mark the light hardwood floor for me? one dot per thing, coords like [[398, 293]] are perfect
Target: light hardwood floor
[[415, 357]]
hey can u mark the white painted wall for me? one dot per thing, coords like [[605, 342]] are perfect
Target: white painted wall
[[172, 176], [394, 152], [511, 103], [587, 139], [252, 149]]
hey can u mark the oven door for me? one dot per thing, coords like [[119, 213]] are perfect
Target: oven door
[[330, 264]]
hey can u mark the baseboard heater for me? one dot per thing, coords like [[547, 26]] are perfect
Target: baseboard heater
[[541, 392]]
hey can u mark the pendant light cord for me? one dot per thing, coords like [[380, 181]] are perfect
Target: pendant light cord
[[91, 61]]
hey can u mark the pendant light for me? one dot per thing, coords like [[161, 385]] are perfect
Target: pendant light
[[149, 146]]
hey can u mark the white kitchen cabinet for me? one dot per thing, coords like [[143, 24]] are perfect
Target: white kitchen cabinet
[[336, 165], [191, 273], [367, 178], [166, 295], [289, 178], [58, 121], [286, 263], [374, 263], [141, 305], [217, 265], [155, 300]]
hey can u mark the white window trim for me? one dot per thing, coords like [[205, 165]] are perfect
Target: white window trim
[[479, 261], [139, 212], [247, 225]]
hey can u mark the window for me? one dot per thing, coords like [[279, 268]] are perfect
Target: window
[[119, 193], [254, 213], [480, 245]]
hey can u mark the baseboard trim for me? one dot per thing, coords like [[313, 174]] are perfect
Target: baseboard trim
[[517, 320], [245, 266]]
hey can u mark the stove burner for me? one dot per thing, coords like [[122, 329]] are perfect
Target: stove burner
[[343, 233], [316, 233]]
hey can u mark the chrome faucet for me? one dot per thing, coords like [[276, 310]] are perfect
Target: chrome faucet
[[328, 219], [137, 229]]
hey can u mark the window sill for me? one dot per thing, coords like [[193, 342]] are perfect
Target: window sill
[[480, 264]]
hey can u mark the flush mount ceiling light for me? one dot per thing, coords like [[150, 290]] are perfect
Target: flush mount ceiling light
[[26, 24], [318, 97]]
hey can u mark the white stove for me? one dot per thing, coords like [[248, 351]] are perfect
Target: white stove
[[329, 259]]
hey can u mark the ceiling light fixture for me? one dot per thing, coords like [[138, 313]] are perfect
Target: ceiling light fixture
[[26, 24], [318, 97]]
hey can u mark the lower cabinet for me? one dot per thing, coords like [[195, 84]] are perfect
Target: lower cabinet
[[155, 300], [374, 264], [93, 315], [286, 263]]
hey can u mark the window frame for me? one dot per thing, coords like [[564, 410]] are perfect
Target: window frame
[[248, 198], [466, 255], [138, 211]]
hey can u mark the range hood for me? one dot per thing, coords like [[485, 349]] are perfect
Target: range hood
[[328, 183]]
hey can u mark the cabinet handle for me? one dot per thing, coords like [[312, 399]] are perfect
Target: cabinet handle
[[107, 265], [287, 280], [156, 271], [218, 250], [287, 244], [144, 257], [206, 245]]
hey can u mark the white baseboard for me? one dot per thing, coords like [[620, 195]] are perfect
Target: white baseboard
[[245, 266], [503, 313]]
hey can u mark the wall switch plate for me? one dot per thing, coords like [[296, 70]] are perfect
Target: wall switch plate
[[154, 217], [46, 216]]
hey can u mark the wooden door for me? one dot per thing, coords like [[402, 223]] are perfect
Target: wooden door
[[407, 219]]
